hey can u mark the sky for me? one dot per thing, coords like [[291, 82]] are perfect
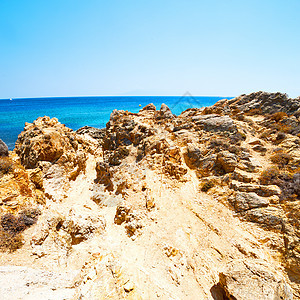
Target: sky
[[157, 47]]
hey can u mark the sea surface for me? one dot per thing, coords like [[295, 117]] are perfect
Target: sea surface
[[76, 112]]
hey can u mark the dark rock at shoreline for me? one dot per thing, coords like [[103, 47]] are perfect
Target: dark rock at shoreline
[[3, 149]]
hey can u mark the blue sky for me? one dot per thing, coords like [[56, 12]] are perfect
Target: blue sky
[[158, 47]]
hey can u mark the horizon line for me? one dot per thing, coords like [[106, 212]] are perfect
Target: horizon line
[[85, 96]]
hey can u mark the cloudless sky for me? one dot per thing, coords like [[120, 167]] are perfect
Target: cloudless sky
[[157, 47]]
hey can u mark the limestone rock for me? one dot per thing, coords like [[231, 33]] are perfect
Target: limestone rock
[[266, 103], [164, 112], [253, 280], [18, 282], [121, 214], [270, 217], [150, 106], [95, 133], [112, 198], [261, 190], [214, 122], [242, 176], [226, 161], [193, 156], [245, 201], [48, 140], [104, 175]]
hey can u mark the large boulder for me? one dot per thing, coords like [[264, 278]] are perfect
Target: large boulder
[[253, 280], [46, 140], [3, 149], [164, 113]]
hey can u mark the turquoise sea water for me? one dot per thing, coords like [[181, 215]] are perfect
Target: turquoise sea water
[[77, 112]]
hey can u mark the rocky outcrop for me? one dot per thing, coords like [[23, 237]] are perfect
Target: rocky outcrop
[[204, 205], [46, 140], [266, 103]]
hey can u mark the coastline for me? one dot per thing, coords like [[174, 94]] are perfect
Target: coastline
[[207, 201], [77, 112]]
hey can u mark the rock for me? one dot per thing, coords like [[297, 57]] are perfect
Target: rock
[[174, 170], [207, 164], [242, 176], [164, 113], [133, 226], [95, 133], [226, 161], [261, 190], [48, 140], [254, 142], [18, 282], [253, 280], [214, 122], [122, 213], [270, 217], [150, 106], [259, 148], [36, 176], [193, 156], [265, 103], [3, 149], [81, 226], [104, 175], [245, 201]]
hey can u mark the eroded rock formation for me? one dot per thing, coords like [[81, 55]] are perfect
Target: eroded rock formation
[[204, 205]]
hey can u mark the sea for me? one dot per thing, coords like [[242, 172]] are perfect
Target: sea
[[76, 112]]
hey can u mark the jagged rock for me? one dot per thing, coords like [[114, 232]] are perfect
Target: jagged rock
[[242, 176], [193, 156], [104, 175], [150, 106], [174, 170], [95, 133], [207, 164], [259, 148], [121, 214], [245, 201], [226, 161], [266, 103], [261, 190], [214, 122], [36, 176], [269, 217], [253, 280], [48, 140], [164, 113], [115, 158], [3, 149]]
